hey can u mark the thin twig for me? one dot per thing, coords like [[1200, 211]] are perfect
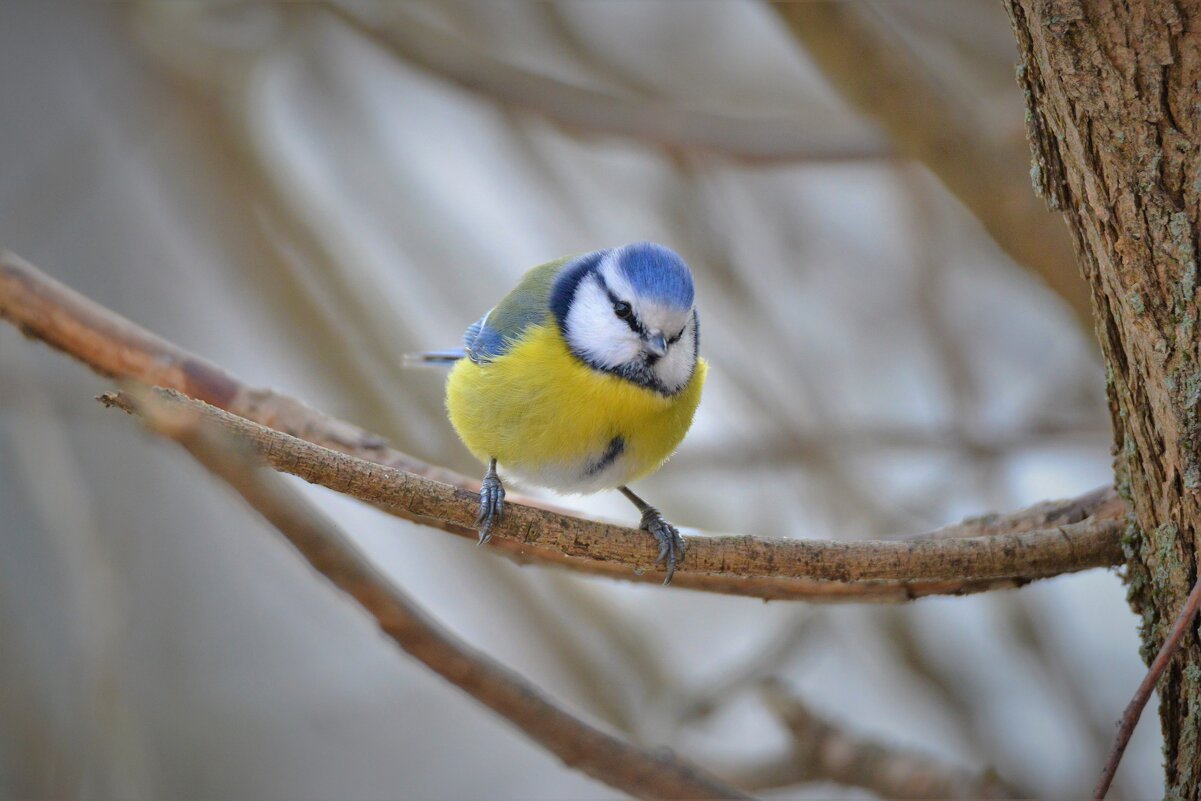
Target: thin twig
[[770, 569], [641, 773], [1135, 709], [778, 648], [826, 752], [940, 684]]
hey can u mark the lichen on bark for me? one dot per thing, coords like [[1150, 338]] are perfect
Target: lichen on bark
[[1113, 95]]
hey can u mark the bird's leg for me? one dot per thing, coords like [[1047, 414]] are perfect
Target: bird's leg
[[671, 544], [492, 503]]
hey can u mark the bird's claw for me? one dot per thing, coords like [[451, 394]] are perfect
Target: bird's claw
[[671, 544], [492, 504]]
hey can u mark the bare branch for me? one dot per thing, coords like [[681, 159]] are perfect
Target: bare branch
[[890, 86], [113, 346], [641, 773], [593, 111], [825, 752], [560, 538], [362, 465]]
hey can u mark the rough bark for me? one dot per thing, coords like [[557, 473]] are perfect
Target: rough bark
[[1114, 118]]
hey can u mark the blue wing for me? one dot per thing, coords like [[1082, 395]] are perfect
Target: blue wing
[[483, 342], [473, 331], [527, 305]]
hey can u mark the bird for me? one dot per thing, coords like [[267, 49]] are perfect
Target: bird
[[585, 377]]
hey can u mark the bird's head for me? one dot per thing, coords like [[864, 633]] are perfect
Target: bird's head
[[630, 311]]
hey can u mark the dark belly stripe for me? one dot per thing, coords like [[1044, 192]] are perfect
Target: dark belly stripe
[[611, 454]]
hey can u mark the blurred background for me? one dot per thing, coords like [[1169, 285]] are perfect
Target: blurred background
[[303, 193]]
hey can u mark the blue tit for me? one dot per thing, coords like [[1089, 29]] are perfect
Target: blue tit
[[585, 377]]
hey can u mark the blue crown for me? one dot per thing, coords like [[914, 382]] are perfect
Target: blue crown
[[657, 273]]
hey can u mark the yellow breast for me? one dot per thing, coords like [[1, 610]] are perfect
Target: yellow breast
[[549, 419]]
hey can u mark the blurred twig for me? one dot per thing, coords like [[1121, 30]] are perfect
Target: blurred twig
[[825, 752], [303, 269], [583, 48], [899, 633], [633, 770], [800, 444], [779, 647], [565, 639], [621, 636], [590, 110], [103, 750], [891, 86], [1026, 618]]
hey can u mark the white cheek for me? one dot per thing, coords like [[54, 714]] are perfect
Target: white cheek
[[595, 332], [674, 369]]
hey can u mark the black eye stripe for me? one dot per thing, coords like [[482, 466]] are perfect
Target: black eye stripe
[[631, 318], [632, 321]]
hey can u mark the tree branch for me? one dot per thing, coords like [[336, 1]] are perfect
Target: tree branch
[[348, 459], [111, 345], [619, 764], [557, 537], [825, 752]]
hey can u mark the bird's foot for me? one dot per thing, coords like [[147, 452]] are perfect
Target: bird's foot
[[671, 544], [492, 503]]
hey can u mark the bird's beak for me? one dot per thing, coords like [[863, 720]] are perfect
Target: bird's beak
[[656, 343]]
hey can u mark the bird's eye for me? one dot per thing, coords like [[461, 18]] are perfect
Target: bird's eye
[[622, 309]]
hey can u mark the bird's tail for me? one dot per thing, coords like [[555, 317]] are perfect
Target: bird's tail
[[433, 358]]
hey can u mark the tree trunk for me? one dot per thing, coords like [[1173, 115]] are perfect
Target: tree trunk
[[1114, 118]]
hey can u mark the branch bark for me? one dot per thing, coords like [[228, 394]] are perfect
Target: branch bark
[[633, 770], [1031, 554], [1113, 90], [879, 76], [324, 450]]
